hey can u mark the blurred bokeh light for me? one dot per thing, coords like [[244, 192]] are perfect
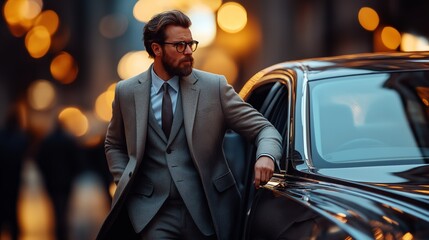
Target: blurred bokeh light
[[35, 212], [49, 19], [144, 9], [411, 42], [213, 4], [232, 17], [19, 14], [74, 121], [103, 104], [112, 189], [41, 95], [133, 63], [38, 41], [390, 37], [64, 68], [243, 43], [368, 18], [203, 26], [219, 62]]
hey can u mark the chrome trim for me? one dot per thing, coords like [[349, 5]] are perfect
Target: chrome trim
[[304, 117]]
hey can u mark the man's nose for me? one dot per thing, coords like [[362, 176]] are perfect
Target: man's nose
[[188, 50]]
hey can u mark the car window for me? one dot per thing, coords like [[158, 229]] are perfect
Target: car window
[[372, 118], [258, 95]]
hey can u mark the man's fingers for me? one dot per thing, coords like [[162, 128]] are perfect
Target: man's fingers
[[262, 176], [264, 169], [266, 175], [257, 178]]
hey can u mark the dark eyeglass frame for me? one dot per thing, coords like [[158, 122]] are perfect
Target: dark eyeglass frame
[[182, 44]]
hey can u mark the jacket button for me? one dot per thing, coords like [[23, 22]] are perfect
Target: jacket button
[[130, 174], [168, 151]]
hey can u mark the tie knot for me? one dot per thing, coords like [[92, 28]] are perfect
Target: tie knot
[[165, 87]]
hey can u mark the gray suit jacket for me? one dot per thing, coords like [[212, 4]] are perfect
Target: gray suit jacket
[[210, 106]]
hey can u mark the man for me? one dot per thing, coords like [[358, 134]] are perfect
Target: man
[[173, 181]]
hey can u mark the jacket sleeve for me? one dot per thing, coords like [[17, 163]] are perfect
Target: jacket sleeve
[[248, 122], [115, 143]]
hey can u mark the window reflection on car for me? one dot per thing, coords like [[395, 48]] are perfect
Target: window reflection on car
[[365, 118]]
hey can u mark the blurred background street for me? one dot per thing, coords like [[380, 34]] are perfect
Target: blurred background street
[[60, 61]]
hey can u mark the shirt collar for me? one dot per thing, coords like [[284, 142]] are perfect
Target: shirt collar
[[157, 82]]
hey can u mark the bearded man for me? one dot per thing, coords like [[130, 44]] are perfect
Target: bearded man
[[164, 144]]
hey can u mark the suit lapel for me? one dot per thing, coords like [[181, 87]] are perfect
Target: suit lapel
[[190, 94], [142, 104], [155, 125]]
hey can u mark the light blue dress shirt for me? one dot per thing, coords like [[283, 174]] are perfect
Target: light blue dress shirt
[[156, 94]]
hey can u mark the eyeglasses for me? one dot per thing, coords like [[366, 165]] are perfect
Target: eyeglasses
[[181, 46]]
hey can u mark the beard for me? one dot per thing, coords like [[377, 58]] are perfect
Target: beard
[[175, 69]]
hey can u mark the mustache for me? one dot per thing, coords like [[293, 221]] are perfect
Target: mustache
[[187, 59]]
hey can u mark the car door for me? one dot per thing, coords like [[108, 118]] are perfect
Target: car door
[[271, 99]]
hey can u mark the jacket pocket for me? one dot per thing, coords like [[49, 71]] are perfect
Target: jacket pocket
[[145, 189], [224, 182]]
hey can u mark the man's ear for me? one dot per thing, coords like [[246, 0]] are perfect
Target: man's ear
[[156, 48]]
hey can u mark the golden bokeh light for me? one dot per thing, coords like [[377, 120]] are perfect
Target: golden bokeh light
[[13, 11], [232, 17], [103, 104], [34, 208], [64, 68], [32, 8], [19, 11], [49, 19], [112, 87], [133, 63], [240, 44], [368, 18], [218, 61], [390, 37], [112, 189], [112, 26], [19, 15], [408, 236], [93, 140], [74, 121], [41, 94], [212, 4], [203, 24], [38, 41], [411, 42], [144, 10]]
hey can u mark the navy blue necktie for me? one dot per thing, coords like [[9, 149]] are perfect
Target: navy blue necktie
[[167, 110]]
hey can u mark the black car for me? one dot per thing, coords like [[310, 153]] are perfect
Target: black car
[[356, 149]]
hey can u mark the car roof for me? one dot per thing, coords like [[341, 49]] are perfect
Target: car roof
[[356, 64]]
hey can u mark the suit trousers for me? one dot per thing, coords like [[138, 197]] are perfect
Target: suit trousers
[[173, 221]]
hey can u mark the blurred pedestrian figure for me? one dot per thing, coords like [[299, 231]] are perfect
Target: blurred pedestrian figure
[[59, 161], [95, 162], [14, 143]]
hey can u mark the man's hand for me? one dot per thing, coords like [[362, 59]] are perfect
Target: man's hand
[[264, 168]]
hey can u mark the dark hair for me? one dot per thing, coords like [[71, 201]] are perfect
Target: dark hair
[[154, 30]]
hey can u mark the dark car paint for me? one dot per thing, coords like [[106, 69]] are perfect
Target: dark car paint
[[307, 202]]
